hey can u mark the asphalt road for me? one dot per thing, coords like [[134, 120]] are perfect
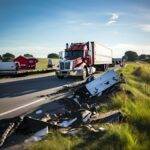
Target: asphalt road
[[18, 95]]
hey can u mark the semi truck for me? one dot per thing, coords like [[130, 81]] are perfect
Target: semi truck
[[83, 59]]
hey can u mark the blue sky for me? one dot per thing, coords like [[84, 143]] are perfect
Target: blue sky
[[40, 27]]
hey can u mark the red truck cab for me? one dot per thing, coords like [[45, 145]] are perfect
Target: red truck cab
[[79, 60]]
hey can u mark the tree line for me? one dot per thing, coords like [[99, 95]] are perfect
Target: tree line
[[10, 57], [133, 56], [128, 56]]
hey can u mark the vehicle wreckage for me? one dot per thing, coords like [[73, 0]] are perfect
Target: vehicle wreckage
[[80, 108]]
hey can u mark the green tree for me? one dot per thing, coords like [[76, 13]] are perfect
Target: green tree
[[28, 55], [144, 57], [131, 56], [53, 55], [8, 57]]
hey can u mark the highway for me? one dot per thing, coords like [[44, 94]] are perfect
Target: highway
[[23, 94], [19, 95]]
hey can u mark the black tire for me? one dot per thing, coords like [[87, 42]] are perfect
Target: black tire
[[60, 77], [84, 74], [105, 67]]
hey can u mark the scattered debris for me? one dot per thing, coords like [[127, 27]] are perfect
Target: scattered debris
[[109, 117], [75, 110], [6, 133], [102, 129], [46, 118], [38, 135], [8, 127], [91, 128], [73, 131], [67, 123], [38, 112]]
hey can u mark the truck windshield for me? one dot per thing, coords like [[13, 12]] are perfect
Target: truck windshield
[[73, 54]]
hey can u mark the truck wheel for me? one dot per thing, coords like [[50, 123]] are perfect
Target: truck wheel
[[84, 74], [60, 77], [105, 67]]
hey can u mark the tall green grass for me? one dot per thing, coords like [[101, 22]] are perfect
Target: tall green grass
[[116, 137], [134, 101], [56, 141], [133, 134], [43, 63]]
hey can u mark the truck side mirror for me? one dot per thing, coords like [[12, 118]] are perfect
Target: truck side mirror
[[62, 54]]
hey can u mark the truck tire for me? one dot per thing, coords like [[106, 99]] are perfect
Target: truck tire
[[60, 77], [105, 67], [84, 74]]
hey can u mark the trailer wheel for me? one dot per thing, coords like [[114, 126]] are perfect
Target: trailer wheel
[[84, 74], [60, 77], [105, 67]]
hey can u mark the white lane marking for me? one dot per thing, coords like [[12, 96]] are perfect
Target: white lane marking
[[20, 107], [29, 91], [52, 90]]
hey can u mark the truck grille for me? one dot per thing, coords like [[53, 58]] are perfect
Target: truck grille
[[61, 66], [67, 65], [64, 65]]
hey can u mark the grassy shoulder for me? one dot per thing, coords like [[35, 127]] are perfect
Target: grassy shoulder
[[43, 63], [133, 100]]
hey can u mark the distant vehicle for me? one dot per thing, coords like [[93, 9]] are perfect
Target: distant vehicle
[[50, 64], [26, 63], [8, 68], [119, 61], [82, 59]]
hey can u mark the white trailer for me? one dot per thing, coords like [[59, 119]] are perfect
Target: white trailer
[[8, 68], [102, 54]]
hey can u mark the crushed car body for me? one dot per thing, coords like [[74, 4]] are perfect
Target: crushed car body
[[103, 82]]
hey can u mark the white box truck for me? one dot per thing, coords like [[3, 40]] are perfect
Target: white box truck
[[8, 68]]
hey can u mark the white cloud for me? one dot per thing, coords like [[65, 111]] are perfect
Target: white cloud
[[145, 27], [113, 19], [114, 16], [79, 22], [111, 22]]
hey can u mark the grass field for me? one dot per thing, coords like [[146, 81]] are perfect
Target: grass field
[[133, 134], [43, 62]]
